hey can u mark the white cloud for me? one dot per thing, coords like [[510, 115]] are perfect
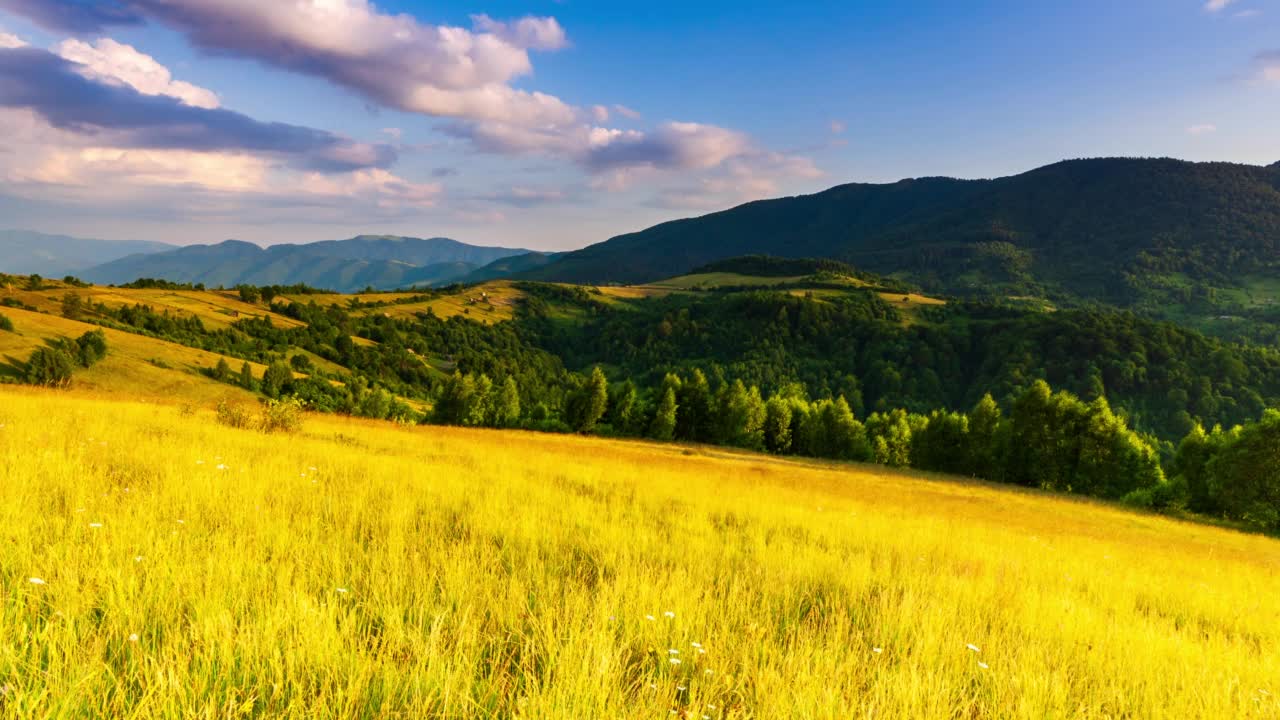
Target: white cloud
[[600, 113], [393, 60], [119, 63], [1204, 129], [532, 33], [838, 127], [1214, 6], [626, 112], [9, 41]]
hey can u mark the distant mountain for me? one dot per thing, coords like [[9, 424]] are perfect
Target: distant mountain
[[23, 252], [1133, 232], [510, 266], [381, 262]]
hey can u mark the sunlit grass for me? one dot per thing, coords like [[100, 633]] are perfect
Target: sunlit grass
[[161, 565]]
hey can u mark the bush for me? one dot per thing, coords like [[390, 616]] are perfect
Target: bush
[[234, 415], [50, 367], [282, 416], [6, 324]]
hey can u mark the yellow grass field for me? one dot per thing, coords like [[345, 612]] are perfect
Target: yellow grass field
[[156, 564]]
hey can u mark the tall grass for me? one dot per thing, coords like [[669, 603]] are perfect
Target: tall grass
[[158, 564]]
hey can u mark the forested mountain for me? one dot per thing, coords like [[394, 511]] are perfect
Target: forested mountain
[[1138, 233], [24, 252], [344, 265]]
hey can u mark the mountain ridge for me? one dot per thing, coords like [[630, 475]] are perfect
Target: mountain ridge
[[1116, 230], [378, 261]]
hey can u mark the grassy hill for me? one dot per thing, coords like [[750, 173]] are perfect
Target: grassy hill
[[158, 564], [1171, 238]]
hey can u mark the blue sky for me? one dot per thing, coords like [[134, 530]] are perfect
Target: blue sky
[[557, 124]]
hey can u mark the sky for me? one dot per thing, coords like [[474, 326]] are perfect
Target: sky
[[552, 125]]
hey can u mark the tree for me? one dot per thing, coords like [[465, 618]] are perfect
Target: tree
[[986, 440], [1244, 475], [741, 416], [664, 420], [846, 437], [50, 367], [6, 324], [277, 379], [889, 435], [592, 402], [222, 371], [625, 414], [249, 294], [247, 380], [72, 306], [694, 421], [777, 425], [506, 407], [302, 364], [91, 347], [944, 445]]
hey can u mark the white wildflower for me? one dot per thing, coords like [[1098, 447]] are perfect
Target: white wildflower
[[675, 661], [650, 618], [973, 647], [343, 591], [984, 666], [133, 638], [95, 525], [36, 581], [669, 615], [877, 650]]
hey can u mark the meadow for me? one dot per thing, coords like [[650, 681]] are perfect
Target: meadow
[[157, 564]]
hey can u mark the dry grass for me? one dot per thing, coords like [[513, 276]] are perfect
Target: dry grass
[[365, 570], [130, 369]]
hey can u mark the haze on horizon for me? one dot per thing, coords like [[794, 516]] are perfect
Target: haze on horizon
[[553, 125]]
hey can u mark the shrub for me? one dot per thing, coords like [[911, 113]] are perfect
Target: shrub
[[50, 367], [234, 415], [91, 347], [6, 324], [282, 416]]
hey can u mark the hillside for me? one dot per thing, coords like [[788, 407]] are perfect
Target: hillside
[[381, 262], [1156, 235], [827, 365], [587, 578], [24, 253]]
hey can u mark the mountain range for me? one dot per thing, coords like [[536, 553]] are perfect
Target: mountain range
[[24, 253], [382, 262], [1129, 232], [1154, 235]]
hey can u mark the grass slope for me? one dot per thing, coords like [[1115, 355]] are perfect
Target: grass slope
[[135, 366], [366, 570]]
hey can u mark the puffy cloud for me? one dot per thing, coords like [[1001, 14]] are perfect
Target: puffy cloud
[[77, 16], [52, 164], [1214, 6], [674, 145], [67, 96], [533, 33], [1205, 129], [116, 62], [750, 177], [393, 60], [9, 41]]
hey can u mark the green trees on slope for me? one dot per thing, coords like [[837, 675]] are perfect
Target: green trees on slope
[[1234, 474]]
